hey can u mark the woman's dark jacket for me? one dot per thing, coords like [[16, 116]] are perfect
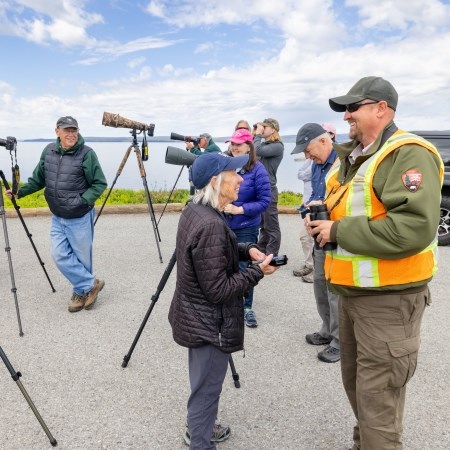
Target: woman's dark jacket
[[207, 306]]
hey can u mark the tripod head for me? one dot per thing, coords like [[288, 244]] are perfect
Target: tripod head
[[10, 143]]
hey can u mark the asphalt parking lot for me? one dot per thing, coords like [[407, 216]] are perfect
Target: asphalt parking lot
[[71, 363]]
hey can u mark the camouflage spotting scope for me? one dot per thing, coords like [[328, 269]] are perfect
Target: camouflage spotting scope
[[116, 121]]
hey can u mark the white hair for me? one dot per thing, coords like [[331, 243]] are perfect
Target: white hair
[[209, 195], [323, 135]]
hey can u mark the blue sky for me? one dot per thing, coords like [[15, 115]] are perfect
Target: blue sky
[[199, 66]]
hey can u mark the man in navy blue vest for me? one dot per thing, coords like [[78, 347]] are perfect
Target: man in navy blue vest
[[73, 180]]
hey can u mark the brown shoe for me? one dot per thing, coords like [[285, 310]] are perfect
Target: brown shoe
[[302, 271], [308, 278], [92, 295], [77, 302]]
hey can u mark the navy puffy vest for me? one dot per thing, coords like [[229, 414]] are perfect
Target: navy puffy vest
[[65, 182]]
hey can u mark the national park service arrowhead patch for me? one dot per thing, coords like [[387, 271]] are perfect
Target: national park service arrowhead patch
[[412, 179]]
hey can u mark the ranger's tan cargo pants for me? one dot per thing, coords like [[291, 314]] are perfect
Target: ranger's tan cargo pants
[[379, 339]]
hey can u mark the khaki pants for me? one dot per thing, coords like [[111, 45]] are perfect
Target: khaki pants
[[307, 243], [379, 340]]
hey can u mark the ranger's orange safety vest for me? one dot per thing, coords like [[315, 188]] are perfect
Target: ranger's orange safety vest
[[358, 198]]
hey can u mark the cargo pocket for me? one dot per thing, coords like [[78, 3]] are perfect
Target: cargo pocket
[[404, 360]]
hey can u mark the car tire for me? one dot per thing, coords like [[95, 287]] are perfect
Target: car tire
[[444, 223]]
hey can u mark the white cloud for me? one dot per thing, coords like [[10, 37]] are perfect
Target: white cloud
[[424, 16], [312, 58], [136, 62], [204, 48], [66, 23]]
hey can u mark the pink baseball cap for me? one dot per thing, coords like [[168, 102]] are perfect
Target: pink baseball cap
[[240, 136], [329, 127]]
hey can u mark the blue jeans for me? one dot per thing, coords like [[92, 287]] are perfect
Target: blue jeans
[[71, 241], [245, 235]]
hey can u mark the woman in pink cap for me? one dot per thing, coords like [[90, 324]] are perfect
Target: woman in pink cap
[[244, 214]]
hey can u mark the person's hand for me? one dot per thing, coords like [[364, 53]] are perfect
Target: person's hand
[[259, 128], [321, 229], [258, 255], [266, 267], [9, 194], [232, 209]]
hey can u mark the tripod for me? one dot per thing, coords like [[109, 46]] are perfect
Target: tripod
[[8, 251], [155, 298], [134, 146], [170, 195], [15, 376], [17, 208]]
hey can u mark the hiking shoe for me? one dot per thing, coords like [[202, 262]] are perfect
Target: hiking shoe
[[317, 339], [221, 433], [92, 295], [302, 271], [329, 355], [308, 278], [77, 302], [250, 318]]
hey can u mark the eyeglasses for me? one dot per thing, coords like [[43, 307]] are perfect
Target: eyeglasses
[[355, 106]]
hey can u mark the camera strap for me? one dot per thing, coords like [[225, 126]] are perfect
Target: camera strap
[[144, 148], [15, 170], [339, 198]]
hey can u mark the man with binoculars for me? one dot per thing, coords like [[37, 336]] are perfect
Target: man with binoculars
[[316, 143], [204, 144]]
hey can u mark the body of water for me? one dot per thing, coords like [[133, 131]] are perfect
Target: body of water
[[160, 176]]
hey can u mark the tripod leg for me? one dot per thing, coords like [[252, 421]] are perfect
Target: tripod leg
[[119, 171], [235, 375], [19, 214], [149, 200], [15, 376], [155, 298], [170, 195], [8, 252]]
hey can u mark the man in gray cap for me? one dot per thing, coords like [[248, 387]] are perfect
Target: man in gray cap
[[383, 196], [73, 180], [317, 145], [205, 145]]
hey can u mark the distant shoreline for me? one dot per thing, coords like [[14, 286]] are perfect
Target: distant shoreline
[[288, 138]]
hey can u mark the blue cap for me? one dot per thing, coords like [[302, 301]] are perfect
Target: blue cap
[[211, 164]]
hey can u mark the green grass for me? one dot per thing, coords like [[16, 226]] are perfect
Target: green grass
[[132, 197]]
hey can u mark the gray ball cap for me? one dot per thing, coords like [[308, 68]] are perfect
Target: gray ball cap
[[305, 135], [66, 122], [375, 88]]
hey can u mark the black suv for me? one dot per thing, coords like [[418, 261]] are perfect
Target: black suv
[[441, 139]]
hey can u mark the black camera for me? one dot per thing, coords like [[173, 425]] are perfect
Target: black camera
[[279, 260], [9, 143], [320, 212], [179, 137], [303, 210]]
